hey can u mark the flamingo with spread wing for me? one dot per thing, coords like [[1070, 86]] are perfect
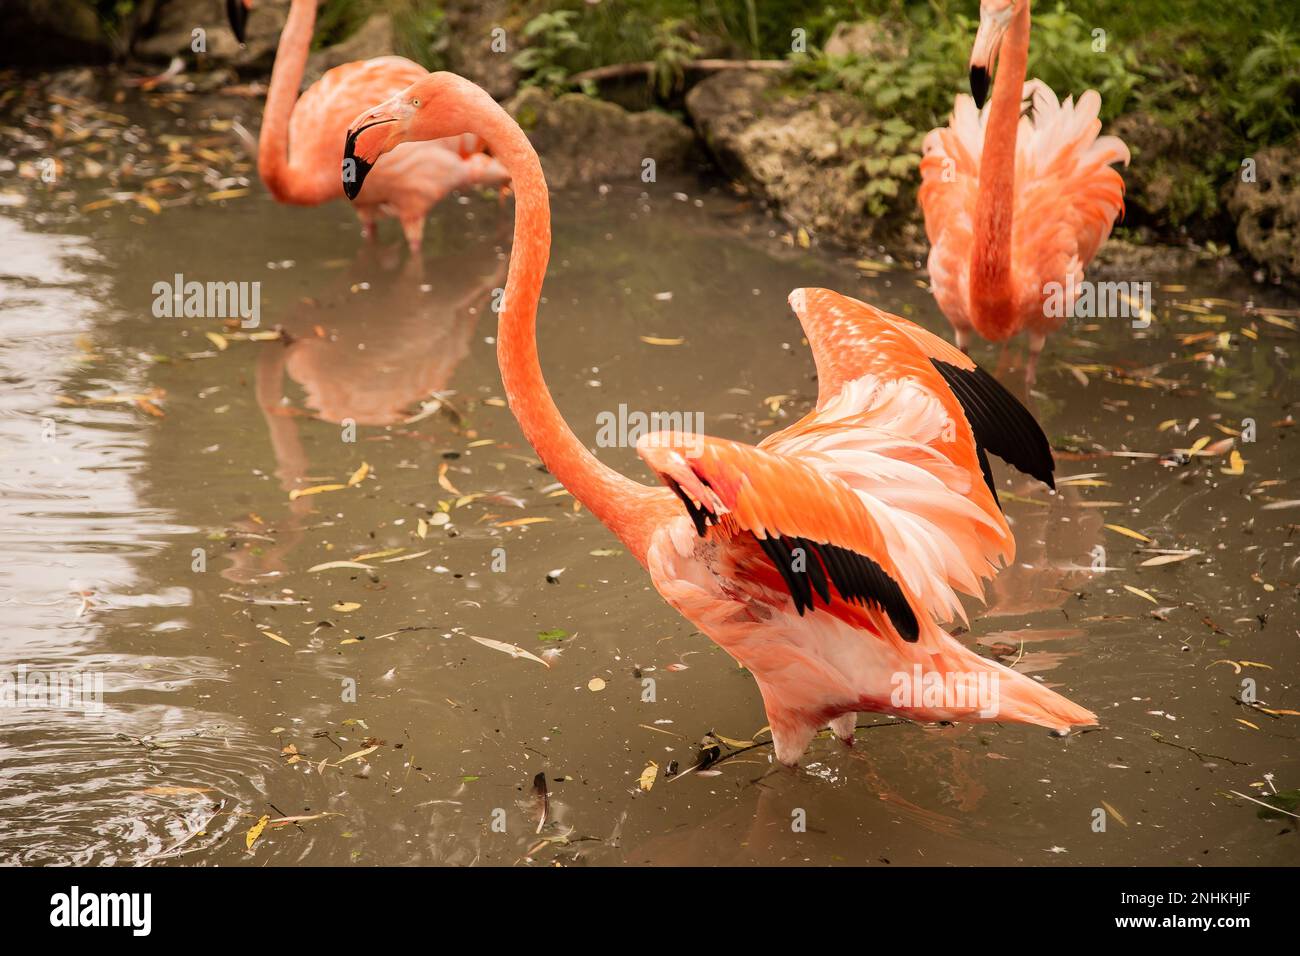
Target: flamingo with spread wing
[[824, 558]]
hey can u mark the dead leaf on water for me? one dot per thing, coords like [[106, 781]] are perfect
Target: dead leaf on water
[[648, 776], [1128, 532], [1140, 593], [330, 565], [345, 607], [655, 340], [519, 522], [313, 490], [595, 685], [359, 475], [511, 649], [219, 340], [1114, 813], [255, 831]]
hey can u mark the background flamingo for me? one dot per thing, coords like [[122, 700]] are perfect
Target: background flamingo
[[819, 559], [1013, 202], [300, 149]]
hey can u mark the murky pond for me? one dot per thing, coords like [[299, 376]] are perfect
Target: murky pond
[[149, 535]]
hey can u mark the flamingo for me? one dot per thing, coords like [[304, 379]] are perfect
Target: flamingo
[[822, 558], [1015, 206], [300, 147]]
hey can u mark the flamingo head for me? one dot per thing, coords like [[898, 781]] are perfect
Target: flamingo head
[[995, 18], [237, 10], [437, 106]]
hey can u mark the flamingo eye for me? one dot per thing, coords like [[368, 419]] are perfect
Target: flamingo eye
[[415, 102]]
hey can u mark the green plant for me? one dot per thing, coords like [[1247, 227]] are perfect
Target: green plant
[[674, 48], [1267, 100], [552, 43]]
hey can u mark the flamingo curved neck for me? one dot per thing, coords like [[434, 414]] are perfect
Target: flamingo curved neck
[[991, 288], [286, 80], [619, 502]]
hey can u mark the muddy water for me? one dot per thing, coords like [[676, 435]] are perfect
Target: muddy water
[[152, 539]]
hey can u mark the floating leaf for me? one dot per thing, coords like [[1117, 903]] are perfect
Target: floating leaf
[[219, 340], [554, 634], [1140, 593], [1128, 532], [655, 340], [1114, 813], [330, 565], [255, 831], [511, 649], [519, 522], [314, 490], [1236, 464], [1167, 559], [648, 776], [346, 607], [359, 475], [276, 637], [443, 482], [174, 791], [596, 685]]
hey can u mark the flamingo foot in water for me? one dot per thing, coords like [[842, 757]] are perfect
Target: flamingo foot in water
[[413, 229], [843, 727]]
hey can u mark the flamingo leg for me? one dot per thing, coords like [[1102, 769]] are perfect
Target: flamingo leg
[[413, 229], [368, 230], [1036, 343], [963, 340]]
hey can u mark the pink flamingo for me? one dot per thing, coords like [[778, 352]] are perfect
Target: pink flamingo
[[820, 558], [1015, 205], [301, 144]]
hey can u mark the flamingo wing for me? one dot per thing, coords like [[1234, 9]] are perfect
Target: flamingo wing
[[818, 534], [850, 338]]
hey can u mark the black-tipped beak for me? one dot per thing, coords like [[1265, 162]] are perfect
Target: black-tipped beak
[[238, 13], [356, 168], [979, 84]]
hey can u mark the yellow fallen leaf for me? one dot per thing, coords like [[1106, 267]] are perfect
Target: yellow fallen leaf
[[443, 482], [1140, 593], [804, 242], [1167, 559], [219, 340], [359, 475], [174, 791], [655, 340], [422, 528], [329, 565], [314, 490], [345, 607], [276, 637], [1114, 813], [1241, 720], [1128, 532], [519, 522], [595, 685], [648, 776], [386, 553], [1236, 464], [1198, 445], [255, 831], [227, 194]]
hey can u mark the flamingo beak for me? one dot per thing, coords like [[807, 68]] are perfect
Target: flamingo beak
[[988, 39], [237, 11], [363, 148]]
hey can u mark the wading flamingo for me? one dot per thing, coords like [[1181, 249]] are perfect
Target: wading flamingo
[[1016, 202], [820, 558], [300, 147]]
